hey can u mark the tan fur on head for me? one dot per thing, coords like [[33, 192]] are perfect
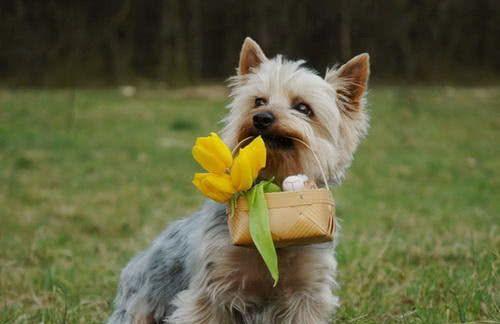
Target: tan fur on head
[[338, 123]]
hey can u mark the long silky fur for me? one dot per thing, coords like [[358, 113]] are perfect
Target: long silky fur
[[193, 274]]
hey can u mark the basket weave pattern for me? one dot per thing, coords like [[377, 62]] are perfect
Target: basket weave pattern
[[295, 218]]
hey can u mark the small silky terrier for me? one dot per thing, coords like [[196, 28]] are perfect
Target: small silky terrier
[[192, 273]]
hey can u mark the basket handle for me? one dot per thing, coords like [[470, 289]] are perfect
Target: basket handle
[[323, 174]]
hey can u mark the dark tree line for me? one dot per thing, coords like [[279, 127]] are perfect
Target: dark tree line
[[180, 42]]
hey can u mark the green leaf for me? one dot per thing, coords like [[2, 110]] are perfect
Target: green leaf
[[260, 230], [270, 186]]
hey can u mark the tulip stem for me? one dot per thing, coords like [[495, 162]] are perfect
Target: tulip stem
[[234, 199]]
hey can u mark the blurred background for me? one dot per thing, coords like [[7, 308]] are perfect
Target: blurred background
[[181, 42], [101, 101]]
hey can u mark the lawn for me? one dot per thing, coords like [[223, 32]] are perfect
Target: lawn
[[89, 177]]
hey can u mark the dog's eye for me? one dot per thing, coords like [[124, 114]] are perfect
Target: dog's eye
[[260, 102], [303, 108]]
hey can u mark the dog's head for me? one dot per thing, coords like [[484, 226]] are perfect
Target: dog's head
[[293, 108]]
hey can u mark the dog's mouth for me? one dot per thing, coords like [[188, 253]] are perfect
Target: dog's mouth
[[274, 141], [278, 142], [283, 152]]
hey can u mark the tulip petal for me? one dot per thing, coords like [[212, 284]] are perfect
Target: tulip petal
[[197, 180], [215, 186], [212, 154], [241, 172], [223, 150], [208, 160], [220, 183], [256, 154], [247, 165], [258, 148]]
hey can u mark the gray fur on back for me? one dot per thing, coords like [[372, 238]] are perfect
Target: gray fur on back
[[152, 279]]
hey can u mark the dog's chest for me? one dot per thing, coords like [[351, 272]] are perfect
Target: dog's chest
[[297, 268]]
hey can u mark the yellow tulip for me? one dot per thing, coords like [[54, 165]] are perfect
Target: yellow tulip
[[215, 186], [247, 164], [241, 172], [258, 155], [212, 154]]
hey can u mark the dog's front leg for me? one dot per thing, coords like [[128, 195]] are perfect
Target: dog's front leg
[[303, 307], [195, 307]]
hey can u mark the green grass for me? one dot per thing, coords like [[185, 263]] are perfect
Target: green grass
[[89, 178]]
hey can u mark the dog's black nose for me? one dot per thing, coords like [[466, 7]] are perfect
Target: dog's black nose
[[263, 120]]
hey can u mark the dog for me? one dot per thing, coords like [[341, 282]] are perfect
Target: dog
[[192, 273]]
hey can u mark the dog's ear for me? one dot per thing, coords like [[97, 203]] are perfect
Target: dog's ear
[[251, 56], [350, 81]]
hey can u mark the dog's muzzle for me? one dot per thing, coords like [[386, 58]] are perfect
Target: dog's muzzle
[[263, 120]]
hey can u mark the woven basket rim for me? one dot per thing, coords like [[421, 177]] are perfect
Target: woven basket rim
[[286, 199], [281, 193]]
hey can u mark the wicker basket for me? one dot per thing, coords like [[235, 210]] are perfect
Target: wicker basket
[[295, 217]]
